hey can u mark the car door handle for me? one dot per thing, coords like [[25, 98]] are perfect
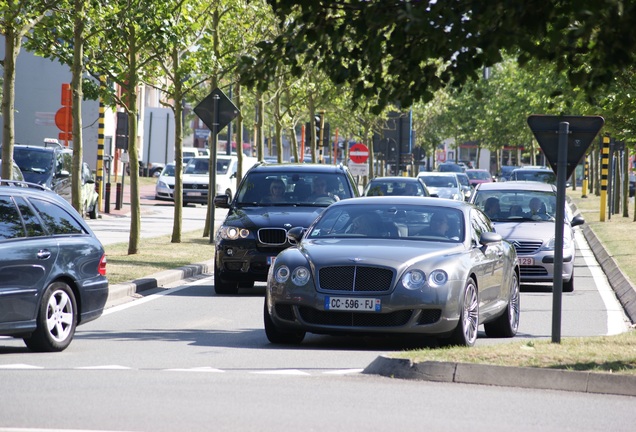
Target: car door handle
[[44, 254]]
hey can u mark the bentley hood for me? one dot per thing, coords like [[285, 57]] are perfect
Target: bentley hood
[[389, 253]]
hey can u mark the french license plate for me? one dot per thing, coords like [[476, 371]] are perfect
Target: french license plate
[[271, 260], [194, 193], [526, 261], [353, 304]]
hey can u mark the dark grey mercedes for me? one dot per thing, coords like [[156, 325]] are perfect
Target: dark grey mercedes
[[52, 268]]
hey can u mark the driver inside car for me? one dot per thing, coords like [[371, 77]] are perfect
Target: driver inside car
[[320, 190]]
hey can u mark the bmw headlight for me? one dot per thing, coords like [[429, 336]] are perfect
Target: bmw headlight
[[233, 233], [281, 274], [413, 279], [437, 278], [300, 276]]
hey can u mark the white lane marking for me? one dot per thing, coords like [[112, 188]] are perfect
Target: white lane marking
[[616, 319], [281, 372], [52, 430], [104, 367], [343, 372], [152, 297], [196, 369], [19, 366]]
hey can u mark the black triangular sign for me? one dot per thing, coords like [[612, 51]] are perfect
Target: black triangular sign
[[227, 111], [583, 129]]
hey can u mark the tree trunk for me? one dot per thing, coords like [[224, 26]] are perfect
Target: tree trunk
[[133, 152], [177, 193], [78, 96], [239, 133], [12, 43]]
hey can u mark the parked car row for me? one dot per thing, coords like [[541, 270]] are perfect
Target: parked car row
[[196, 178], [51, 166]]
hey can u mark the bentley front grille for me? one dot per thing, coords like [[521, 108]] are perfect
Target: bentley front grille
[[355, 278]]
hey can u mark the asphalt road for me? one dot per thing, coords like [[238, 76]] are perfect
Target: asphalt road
[[183, 358]]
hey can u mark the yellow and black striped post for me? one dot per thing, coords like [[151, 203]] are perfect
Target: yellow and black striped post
[[586, 170], [604, 174], [100, 149]]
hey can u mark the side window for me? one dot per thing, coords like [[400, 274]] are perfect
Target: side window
[[57, 219], [33, 226], [337, 185], [10, 222], [480, 224]]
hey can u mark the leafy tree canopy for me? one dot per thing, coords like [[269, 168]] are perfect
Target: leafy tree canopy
[[404, 50]]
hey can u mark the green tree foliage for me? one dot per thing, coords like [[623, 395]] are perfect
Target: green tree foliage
[[393, 49]]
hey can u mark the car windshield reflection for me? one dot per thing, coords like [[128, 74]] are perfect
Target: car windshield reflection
[[411, 222]]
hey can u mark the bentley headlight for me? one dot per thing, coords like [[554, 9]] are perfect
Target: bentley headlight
[[413, 279], [437, 278], [233, 233], [281, 274], [300, 276]]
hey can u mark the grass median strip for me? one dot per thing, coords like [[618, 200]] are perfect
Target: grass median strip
[[156, 254], [610, 354]]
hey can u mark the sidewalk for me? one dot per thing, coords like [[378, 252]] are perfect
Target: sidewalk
[[146, 195]]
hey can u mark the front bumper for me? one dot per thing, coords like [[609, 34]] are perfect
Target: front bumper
[[542, 269], [429, 311], [244, 261]]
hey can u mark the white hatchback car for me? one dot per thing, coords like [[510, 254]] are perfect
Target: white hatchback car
[[164, 189], [443, 184]]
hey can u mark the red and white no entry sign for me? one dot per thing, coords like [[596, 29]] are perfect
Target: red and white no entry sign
[[359, 153]]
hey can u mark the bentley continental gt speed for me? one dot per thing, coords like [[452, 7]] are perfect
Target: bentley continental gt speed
[[394, 264]]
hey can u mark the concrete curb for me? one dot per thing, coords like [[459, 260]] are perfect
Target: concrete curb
[[534, 378], [129, 289], [620, 283]]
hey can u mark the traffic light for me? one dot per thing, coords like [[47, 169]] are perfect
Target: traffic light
[[121, 131], [317, 125], [326, 134]]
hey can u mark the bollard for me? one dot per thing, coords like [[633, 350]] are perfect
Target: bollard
[[107, 199], [118, 197]]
